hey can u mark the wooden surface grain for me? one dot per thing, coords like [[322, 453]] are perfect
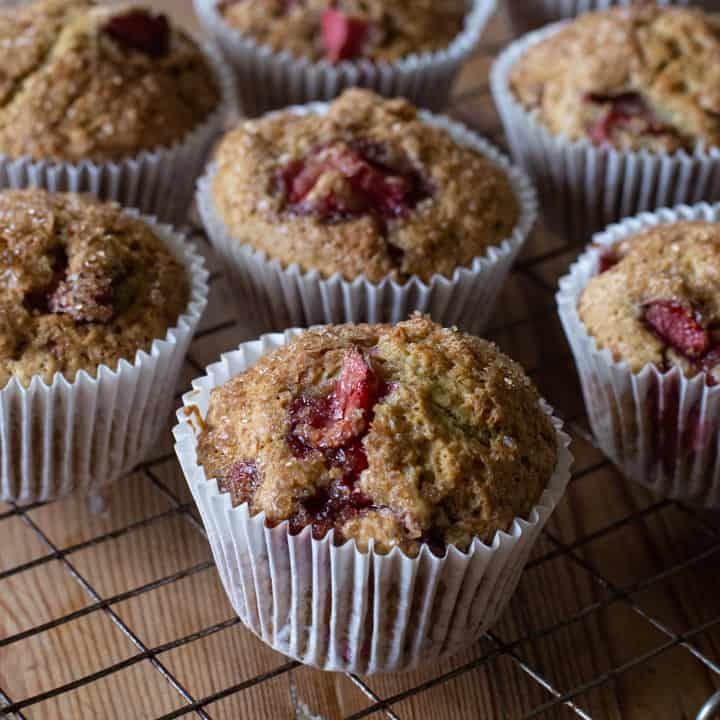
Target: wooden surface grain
[[121, 614]]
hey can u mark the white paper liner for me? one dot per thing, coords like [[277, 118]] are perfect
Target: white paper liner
[[83, 435], [660, 429], [159, 182], [269, 80], [287, 296], [584, 187], [527, 15], [337, 608]]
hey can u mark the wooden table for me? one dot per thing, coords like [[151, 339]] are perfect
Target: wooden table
[[121, 614]]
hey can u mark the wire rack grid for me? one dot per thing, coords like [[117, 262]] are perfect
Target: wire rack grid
[[116, 612]]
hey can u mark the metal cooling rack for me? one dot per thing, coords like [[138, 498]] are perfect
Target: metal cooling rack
[[522, 650]]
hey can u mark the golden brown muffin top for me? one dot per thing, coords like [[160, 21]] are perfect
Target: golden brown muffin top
[[657, 299], [348, 29], [636, 77], [403, 434], [102, 83], [81, 284], [369, 188]]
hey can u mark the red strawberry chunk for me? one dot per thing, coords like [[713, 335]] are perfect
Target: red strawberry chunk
[[678, 327], [142, 31], [608, 260], [343, 36], [625, 109], [361, 184]]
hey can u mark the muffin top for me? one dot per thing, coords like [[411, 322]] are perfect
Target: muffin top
[[403, 434], [368, 188], [336, 30], [636, 77], [657, 299], [100, 83], [81, 284]]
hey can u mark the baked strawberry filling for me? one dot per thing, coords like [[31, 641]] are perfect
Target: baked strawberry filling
[[682, 329], [608, 260], [343, 35], [341, 181], [142, 31], [335, 425], [241, 481], [627, 111]]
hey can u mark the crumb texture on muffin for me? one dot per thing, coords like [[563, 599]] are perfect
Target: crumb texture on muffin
[[368, 188], [657, 299], [82, 284], [348, 29], [636, 77], [400, 435], [81, 82]]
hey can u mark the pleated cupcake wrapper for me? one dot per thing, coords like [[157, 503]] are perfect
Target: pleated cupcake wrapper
[[159, 183], [269, 80], [660, 429], [584, 187], [82, 435], [288, 296], [529, 14], [338, 608]]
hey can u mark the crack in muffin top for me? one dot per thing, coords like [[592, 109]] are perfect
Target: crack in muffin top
[[402, 435], [81, 284], [638, 77], [348, 29], [367, 188], [657, 299], [98, 83]]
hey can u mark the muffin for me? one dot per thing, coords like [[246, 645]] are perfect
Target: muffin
[[365, 190], [641, 77], [394, 434], [642, 312], [104, 86], [291, 53], [615, 112], [374, 490], [97, 307], [349, 29]]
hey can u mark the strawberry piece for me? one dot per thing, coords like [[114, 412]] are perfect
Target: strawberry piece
[[356, 389], [368, 186], [142, 31], [677, 326], [343, 36], [625, 108], [608, 260]]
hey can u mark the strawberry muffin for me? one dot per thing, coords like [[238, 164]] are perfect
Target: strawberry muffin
[[641, 309], [348, 29], [97, 308], [398, 436], [637, 77]]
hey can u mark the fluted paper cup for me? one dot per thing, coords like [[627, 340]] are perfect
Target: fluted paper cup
[[584, 187], [160, 182], [335, 607], [527, 15], [659, 428], [83, 435], [284, 296], [269, 79]]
